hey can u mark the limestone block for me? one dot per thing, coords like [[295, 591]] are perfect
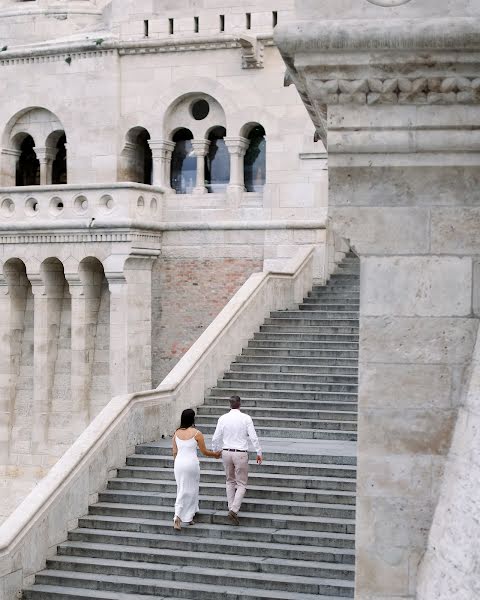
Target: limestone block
[[412, 431], [456, 230], [410, 386], [417, 340], [419, 286], [383, 230]]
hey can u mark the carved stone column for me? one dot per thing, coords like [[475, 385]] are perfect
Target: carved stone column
[[5, 370], [200, 149], [237, 147], [161, 159], [396, 94], [45, 156]]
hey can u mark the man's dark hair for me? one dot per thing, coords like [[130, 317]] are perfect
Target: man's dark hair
[[234, 401]]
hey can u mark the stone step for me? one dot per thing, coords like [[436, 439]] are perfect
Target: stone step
[[214, 544], [290, 361], [306, 377], [247, 384], [306, 315], [329, 302], [260, 562], [319, 326], [217, 502], [281, 423], [220, 517], [215, 404], [286, 409], [288, 366], [318, 351], [267, 479], [117, 572], [286, 394], [325, 433], [166, 590], [211, 532], [292, 341], [168, 486]]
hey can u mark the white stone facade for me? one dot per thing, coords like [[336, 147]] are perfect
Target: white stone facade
[[95, 245]]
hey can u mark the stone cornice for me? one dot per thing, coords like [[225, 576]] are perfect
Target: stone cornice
[[92, 49], [393, 34]]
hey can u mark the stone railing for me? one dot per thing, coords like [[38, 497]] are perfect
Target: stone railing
[[41, 522], [72, 205]]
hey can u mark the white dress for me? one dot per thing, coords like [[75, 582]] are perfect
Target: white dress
[[187, 476]]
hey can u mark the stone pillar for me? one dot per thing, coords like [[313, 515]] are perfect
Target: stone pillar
[[5, 371], [126, 162], [131, 325], [46, 156], [237, 147], [8, 166], [399, 100], [161, 160], [200, 149]]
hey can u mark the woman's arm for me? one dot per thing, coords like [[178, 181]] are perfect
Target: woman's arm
[[203, 449], [174, 447]]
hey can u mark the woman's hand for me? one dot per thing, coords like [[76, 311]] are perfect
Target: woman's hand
[[218, 454]]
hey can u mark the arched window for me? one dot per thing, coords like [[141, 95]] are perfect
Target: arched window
[[28, 166], [217, 161], [136, 158], [184, 163], [59, 167], [255, 160]]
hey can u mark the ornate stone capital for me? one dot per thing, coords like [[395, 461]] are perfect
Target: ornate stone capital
[[237, 145], [45, 154], [200, 147], [161, 148]]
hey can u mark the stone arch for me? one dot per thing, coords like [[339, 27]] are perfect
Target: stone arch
[[44, 128], [180, 114], [136, 157]]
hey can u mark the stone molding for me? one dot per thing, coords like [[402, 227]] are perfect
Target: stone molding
[[400, 90], [89, 49]]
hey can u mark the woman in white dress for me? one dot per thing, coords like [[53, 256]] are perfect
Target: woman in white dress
[[186, 440]]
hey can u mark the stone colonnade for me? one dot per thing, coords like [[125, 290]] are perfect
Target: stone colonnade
[[71, 338], [162, 151]]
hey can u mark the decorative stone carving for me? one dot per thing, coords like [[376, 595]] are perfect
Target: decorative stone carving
[[252, 52], [401, 90]]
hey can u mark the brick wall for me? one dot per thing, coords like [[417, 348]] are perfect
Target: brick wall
[[187, 296]]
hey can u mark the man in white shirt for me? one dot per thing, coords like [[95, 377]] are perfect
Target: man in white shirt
[[231, 435]]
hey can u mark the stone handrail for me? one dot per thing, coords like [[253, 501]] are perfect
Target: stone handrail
[[43, 519]]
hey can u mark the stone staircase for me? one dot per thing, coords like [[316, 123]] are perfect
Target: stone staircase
[[298, 380]]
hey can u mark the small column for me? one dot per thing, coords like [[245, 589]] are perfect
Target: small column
[[8, 166], [127, 159], [46, 156], [200, 149], [237, 147], [161, 161]]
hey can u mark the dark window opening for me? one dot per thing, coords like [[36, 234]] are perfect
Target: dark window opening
[[255, 160], [59, 167], [145, 28], [274, 18], [170, 26], [248, 20], [222, 22], [217, 161], [184, 163], [200, 109], [196, 24], [28, 166]]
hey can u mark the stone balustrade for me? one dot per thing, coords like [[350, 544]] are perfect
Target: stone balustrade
[[62, 497], [63, 205]]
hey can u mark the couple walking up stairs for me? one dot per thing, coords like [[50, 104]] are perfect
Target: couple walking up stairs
[[298, 380]]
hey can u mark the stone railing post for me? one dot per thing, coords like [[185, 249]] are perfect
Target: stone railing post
[[200, 149], [8, 166], [237, 147]]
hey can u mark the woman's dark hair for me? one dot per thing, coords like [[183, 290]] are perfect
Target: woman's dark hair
[[187, 419]]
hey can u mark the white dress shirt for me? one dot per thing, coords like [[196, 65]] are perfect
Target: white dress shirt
[[233, 430]]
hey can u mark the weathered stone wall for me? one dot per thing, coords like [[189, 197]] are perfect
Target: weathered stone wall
[[187, 295]]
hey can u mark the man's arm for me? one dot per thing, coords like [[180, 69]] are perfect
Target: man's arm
[[252, 434], [217, 439]]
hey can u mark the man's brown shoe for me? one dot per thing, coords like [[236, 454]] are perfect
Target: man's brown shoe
[[233, 517]]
